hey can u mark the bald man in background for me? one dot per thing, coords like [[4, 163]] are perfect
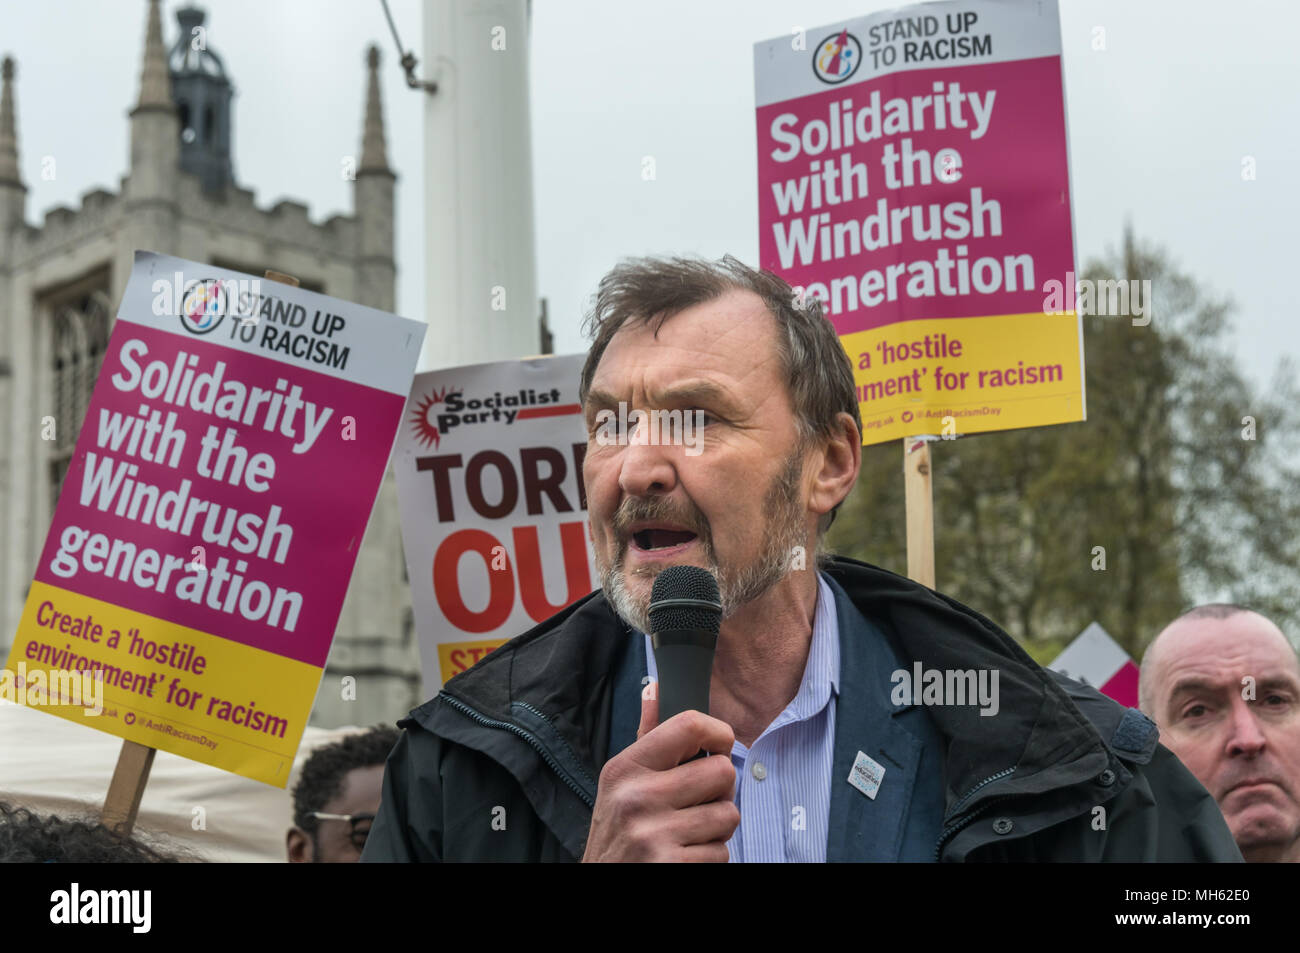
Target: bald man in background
[[1223, 685]]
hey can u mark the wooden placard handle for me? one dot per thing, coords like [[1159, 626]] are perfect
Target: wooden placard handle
[[125, 791], [918, 492], [281, 277]]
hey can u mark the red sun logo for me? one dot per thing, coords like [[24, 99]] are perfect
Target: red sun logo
[[426, 431]]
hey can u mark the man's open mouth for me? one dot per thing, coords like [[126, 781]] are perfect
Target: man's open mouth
[[653, 538]]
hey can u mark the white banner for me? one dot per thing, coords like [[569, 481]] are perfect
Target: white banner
[[1096, 659], [494, 517], [923, 36]]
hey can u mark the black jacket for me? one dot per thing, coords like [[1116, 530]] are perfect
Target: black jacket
[[502, 764]]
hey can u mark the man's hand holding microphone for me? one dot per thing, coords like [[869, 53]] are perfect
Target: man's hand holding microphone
[[659, 799]]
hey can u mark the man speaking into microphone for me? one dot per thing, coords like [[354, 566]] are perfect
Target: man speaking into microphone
[[550, 749]]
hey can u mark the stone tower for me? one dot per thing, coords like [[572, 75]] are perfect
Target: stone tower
[[202, 93]]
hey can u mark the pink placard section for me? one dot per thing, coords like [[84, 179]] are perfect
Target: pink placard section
[[1123, 685], [270, 469], [1012, 177]]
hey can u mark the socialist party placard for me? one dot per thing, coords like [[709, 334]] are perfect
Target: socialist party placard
[[913, 176], [494, 514], [212, 512]]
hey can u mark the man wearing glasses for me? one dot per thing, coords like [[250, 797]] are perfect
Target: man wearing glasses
[[337, 797]]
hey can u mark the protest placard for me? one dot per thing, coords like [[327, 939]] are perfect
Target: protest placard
[[913, 176], [494, 524], [1096, 659], [212, 513]]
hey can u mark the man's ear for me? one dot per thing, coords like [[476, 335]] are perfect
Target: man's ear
[[299, 845], [841, 460]]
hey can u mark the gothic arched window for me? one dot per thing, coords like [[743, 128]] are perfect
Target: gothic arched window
[[80, 330]]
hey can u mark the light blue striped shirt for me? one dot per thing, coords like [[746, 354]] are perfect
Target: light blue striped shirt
[[783, 781]]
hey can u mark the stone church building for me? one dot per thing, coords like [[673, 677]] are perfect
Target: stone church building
[[61, 281]]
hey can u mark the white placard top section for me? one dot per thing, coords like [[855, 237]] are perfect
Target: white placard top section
[[952, 33], [259, 316]]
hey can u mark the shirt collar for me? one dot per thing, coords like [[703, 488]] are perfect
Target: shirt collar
[[821, 674]]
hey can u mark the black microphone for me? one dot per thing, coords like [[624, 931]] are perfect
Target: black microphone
[[685, 613]]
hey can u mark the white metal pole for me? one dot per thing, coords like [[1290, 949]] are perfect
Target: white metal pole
[[480, 272]]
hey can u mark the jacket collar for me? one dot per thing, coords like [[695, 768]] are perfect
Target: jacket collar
[[1038, 741], [555, 686], [540, 706]]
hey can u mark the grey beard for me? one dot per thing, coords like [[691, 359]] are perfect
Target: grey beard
[[736, 587]]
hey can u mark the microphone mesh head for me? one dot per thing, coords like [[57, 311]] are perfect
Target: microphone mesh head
[[685, 582]]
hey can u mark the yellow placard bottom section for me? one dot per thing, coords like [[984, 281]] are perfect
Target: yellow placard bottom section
[[456, 657], [954, 376], [162, 685]]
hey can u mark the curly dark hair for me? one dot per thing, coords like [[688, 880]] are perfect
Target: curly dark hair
[[27, 837], [323, 774]]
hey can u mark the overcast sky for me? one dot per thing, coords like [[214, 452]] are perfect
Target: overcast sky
[[1159, 123]]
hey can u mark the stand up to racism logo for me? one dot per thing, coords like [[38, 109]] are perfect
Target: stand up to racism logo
[[203, 306], [837, 57]]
